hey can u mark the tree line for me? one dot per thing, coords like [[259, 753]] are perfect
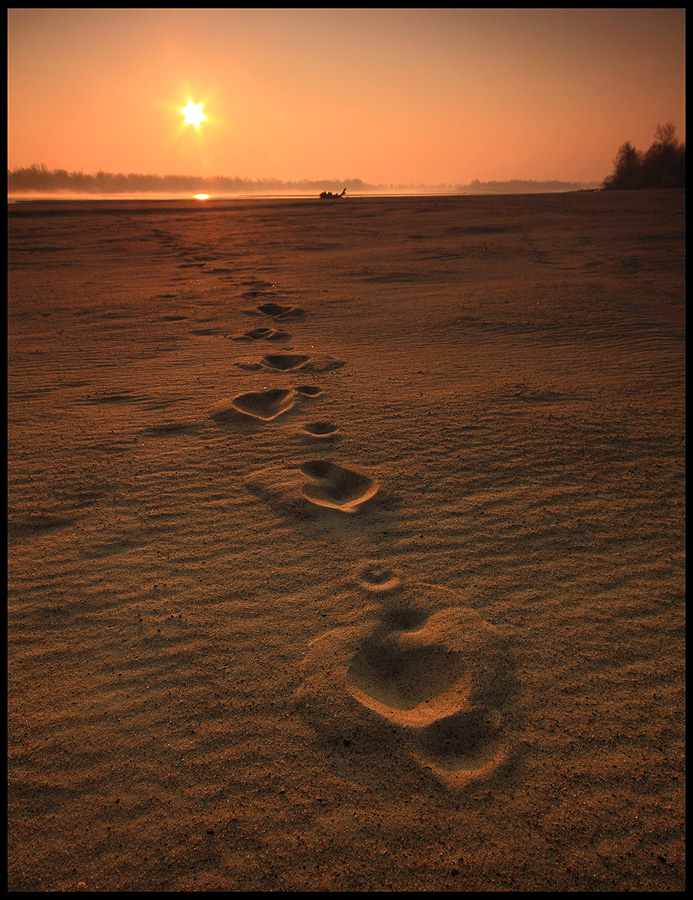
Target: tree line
[[525, 186], [662, 166], [40, 179]]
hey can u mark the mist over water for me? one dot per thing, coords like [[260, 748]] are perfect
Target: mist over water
[[256, 195]]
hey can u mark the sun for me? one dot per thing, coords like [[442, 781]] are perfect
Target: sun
[[193, 114]]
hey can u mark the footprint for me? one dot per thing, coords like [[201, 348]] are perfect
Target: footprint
[[265, 405], [408, 681], [336, 487], [309, 390], [262, 334], [284, 362], [378, 578], [320, 430], [444, 682], [322, 363], [258, 294], [277, 311], [291, 362], [302, 492], [437, 685], [258, 288], [259, 333]]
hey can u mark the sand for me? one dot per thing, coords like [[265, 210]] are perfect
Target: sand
[[346, 544]]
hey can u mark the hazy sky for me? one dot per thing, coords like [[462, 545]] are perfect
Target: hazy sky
[[406, 96]]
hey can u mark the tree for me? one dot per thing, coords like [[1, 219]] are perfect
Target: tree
[[664, 163], [627, 166], [662, 166]]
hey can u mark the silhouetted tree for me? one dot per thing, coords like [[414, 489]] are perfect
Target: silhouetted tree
[[662, 166], [627, 165], [664, 163]]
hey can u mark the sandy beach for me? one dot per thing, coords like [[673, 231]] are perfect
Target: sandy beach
[[346, 544]]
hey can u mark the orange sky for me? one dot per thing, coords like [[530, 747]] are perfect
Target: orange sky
[[406, 96]]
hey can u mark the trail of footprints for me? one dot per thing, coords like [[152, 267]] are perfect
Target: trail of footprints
[[425, 668]]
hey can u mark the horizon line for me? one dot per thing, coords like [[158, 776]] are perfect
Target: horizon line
[[41, 170]]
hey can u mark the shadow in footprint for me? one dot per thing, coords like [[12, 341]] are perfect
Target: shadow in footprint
[[377, 578], [409, 683], [258, 289], [335, 486], [442, 680], [279, 312], [262, 334], [291, 362], [309, 390], [320, 430], [284, 362], [318, 492], [263, 405], [467, 744]]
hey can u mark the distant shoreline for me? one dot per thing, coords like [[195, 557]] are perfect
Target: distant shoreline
[[38, 179]]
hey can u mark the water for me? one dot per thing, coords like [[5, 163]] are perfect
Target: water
[[259, 195]]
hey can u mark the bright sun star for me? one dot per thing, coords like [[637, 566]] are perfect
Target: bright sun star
[[193, 114]]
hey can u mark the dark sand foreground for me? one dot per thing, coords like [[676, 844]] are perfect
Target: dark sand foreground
[[346, 544]]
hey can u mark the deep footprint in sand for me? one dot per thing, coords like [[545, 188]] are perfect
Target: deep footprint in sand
[[258, 288], [276, 362], [264, 405], [284, 362], [291, 362], [336, 487], [320, 430], [440, 682], [309, 390], [378, 578], [262, 334], [279, 312]]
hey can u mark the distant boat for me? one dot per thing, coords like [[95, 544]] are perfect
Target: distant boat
[[328, 195]]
